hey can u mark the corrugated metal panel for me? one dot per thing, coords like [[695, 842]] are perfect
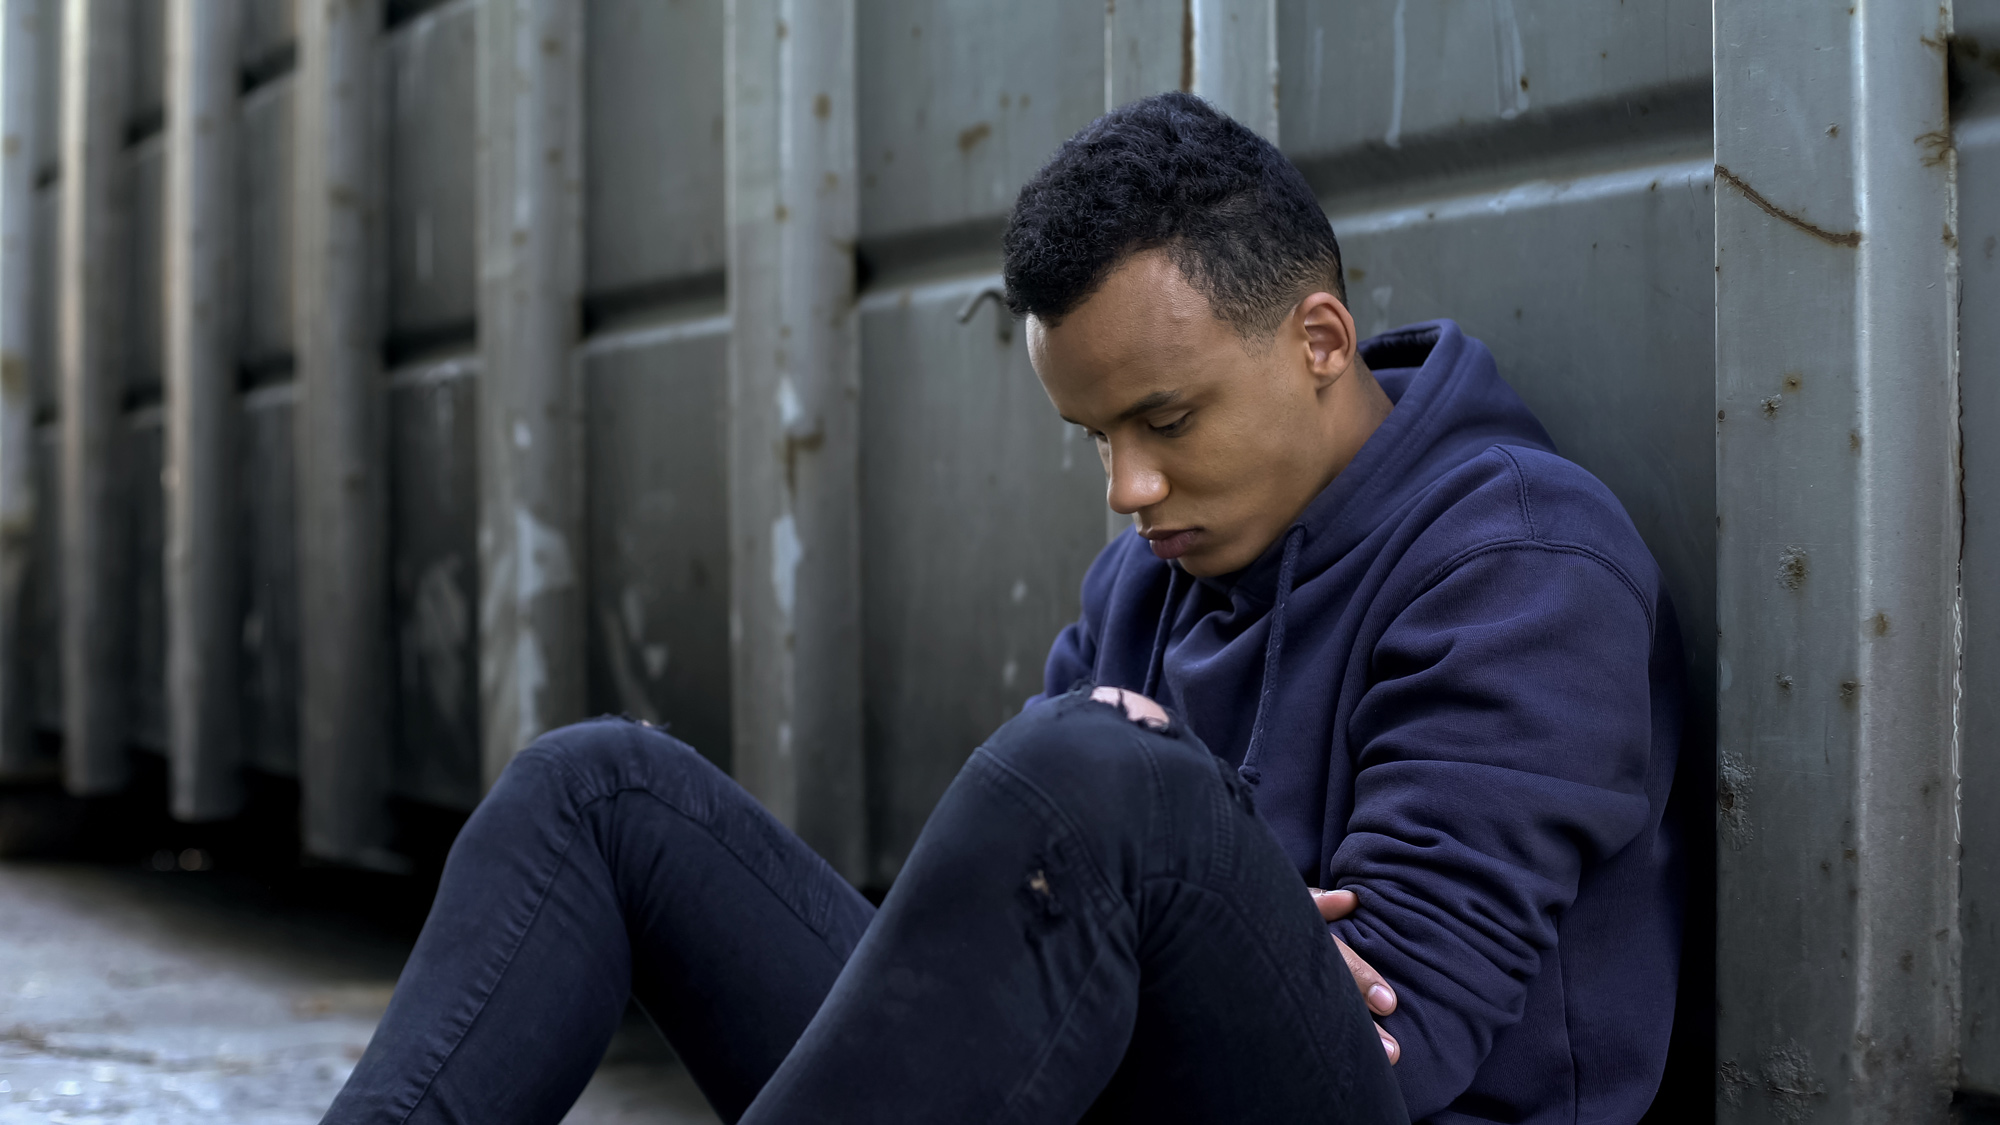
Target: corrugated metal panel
[[270, 659], [264, 244], [658, 526], [144, 326], [980, 511], [146, 107], [961, 102], [1976, 131], [433, 283], [652, 146], [44, 591], [270, 32], [433, 512]]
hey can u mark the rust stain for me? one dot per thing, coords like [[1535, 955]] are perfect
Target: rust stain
[[822, 106], [794, 445], [1794, 380], [1832, 238], [1854, 440], [970, 138], [1792, 568], [1880, 623], [1937, 147], [1771, 405]]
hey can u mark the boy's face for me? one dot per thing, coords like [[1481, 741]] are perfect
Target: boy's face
[[1212, 443]]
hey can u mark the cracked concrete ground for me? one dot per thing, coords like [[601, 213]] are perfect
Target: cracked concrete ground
[[169, 997]]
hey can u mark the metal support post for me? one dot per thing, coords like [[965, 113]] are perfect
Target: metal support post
[[22, 43], [203, 618], [341, 440], [1837, 564], [794, 385], [91, 278], [531, 534]]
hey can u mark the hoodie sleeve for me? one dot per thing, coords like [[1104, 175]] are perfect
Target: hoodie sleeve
[[1074, 655], [1502, 749]]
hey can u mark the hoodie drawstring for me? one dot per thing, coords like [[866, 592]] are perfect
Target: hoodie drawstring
[[1156, 664], [1274, 651]]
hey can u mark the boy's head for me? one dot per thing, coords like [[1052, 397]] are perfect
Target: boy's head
[[1185, 306]]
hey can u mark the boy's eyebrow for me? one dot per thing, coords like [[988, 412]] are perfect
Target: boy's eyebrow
[[1146, 405]]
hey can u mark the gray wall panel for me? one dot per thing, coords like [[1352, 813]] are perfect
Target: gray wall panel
[[146, 628], [146, 104], [1596, 298], [433, 514], [981, 509], [432, 203], [1976, 128], [48, 131], [1379, 72], [42, 345], [269, 27], [264, 239], [145, 341], [960, 102], [658, 529], [270, 659], [652, 142]]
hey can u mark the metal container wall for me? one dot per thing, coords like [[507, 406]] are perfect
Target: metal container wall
[[1542, 172]]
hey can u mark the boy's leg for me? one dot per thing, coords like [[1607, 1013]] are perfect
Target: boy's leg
[[1093, 922], [609, 859]]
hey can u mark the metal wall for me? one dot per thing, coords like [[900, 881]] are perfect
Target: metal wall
[[814, 513]]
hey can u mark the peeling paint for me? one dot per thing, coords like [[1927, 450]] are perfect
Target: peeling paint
[[786, 552], [543, 558], [1732, 799], [1792, 568], [1790, 1081]]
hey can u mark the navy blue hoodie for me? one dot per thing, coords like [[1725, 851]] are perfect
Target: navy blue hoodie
[[1455, 681]]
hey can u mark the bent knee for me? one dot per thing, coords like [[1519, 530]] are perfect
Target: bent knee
[[1076, 745], [608, 752]]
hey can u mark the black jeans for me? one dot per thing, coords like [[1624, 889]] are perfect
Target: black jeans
[[1093, 925]]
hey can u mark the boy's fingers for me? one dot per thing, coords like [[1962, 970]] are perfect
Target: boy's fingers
[[1335, 905], [1380, 997]]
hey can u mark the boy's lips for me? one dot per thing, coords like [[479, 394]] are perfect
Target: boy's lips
[[1171, 543]]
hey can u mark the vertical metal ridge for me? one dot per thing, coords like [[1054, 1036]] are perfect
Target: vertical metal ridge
[[531, 528], [341, 441], [92, 297], [22, 43], [202, 594], [1836, 389], [794, 388]]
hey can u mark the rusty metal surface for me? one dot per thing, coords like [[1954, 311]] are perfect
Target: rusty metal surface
[[793, 437], [659, 527], [433, 529], [341, 451], [961, 102], [1837, 565], [972, 572], [432, 207], [653, 180], [531, 494]]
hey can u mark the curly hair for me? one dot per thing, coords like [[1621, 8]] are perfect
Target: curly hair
[[1170, 172]]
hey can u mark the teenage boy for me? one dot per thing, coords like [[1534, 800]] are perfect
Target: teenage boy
[[1368, 633]]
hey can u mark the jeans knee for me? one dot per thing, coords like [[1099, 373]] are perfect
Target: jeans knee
[[608, 752], [1074, 748]]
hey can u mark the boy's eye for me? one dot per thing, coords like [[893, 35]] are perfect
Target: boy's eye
[[1168, 429]]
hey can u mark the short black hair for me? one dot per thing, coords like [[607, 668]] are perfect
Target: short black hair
[[1171, 172]]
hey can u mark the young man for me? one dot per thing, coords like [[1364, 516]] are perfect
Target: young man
[[1368, 633]]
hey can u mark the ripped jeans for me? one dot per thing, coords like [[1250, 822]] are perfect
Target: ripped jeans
[[1092, 926]]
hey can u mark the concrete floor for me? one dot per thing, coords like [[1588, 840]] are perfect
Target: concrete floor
[[130, 995]]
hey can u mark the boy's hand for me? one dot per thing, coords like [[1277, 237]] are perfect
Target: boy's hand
[[1381, 999]]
